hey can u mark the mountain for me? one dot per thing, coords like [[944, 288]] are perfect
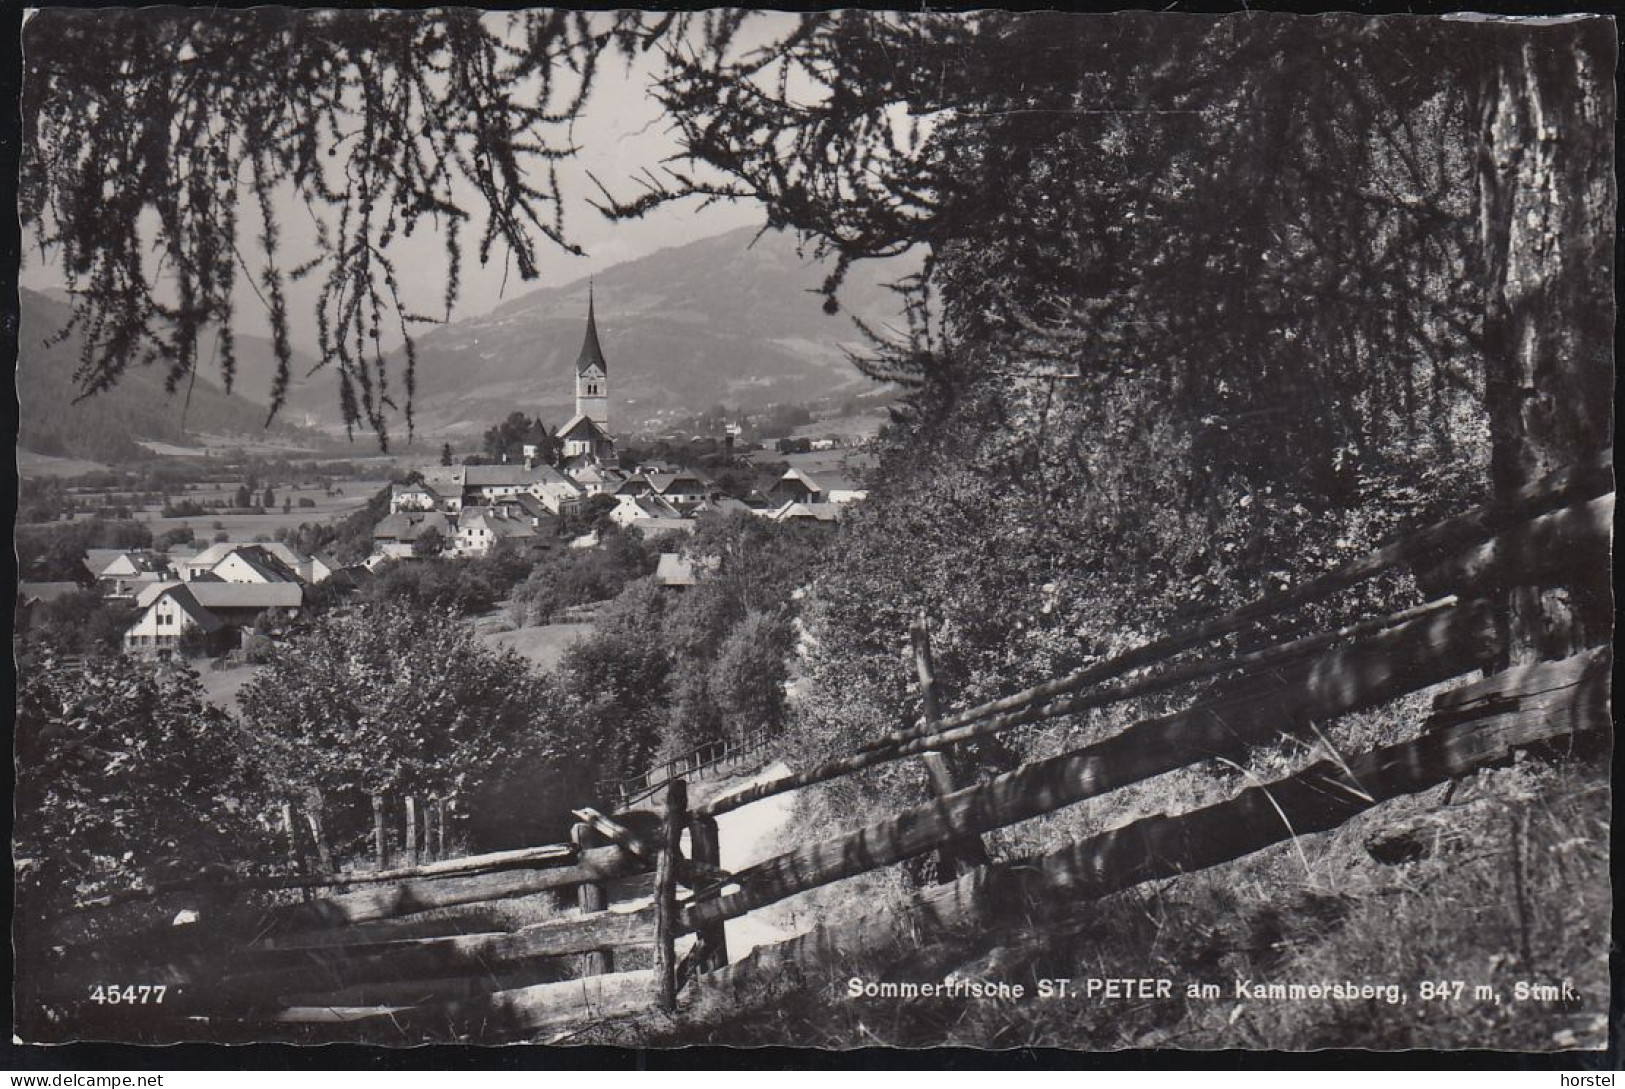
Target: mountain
[[714, 321], [105, 427]]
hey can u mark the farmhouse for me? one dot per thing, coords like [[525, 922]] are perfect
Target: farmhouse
[[480, 529], [682, 490], [633, 509], [797, 486], [450, 488], [396, 535], [120, 573], [269, 561], [598, 479], [806, 513], [172, 621]]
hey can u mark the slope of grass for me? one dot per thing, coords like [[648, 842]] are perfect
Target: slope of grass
[[1498, 882]]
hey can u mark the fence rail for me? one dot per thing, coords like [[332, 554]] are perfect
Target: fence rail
[[422, 955], [625, 793]]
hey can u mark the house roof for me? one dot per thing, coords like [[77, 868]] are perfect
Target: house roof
[[264, 564], [815, 512], [148, 594], [291, 556], [498, 524], [517, 476], [652, 506], [592, 473], [409, 489], [248, 595], [98, 560], [181, 594], [664, 482], [531, 505], [637, 484], [209, 556], [822, 484], [409, 525], [591, 351]]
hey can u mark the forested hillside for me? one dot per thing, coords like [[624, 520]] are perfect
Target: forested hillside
[[104, 427], [732, 320]]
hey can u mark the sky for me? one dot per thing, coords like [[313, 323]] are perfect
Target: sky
[[622, 133]]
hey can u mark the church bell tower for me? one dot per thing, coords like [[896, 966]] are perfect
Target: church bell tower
[[592, 375]]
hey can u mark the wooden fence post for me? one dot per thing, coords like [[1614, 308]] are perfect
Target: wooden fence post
[[969, 853], [411, 843], [380, 843], [591, 898], [666, 919], [707, 848], [440, 828], [296, 866], [429, 815], [314, 819]]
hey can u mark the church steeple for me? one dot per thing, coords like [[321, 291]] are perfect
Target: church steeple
[[591, 352], [592, 373]]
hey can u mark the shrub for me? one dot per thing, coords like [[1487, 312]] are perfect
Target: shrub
[[393, 698], [125, 774]]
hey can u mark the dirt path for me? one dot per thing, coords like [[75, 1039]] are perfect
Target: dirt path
[[746, 836]]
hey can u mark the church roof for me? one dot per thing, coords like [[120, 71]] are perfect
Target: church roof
[[591, 351], [579, 421]]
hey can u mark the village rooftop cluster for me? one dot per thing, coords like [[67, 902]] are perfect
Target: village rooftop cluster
[[204, 602]]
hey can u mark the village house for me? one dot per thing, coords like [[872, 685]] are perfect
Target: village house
[[173, 621], [242, 604], [480, 529], [449, 488], [121, 573], [805, 513], [598, 479], [682, 490], [397, 535], [267, 561], [634, 509], [798, 486]]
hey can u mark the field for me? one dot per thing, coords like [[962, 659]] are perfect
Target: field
[[544, 646], [31, 464], [220, 686], [349, 496], [826, 461]]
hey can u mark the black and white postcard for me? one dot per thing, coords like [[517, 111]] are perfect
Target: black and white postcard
[[846, 528]]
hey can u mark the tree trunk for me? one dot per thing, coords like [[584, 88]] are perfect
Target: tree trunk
[[1546, 219]]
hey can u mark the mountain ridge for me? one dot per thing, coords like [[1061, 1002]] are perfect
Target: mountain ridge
[[685, 327]]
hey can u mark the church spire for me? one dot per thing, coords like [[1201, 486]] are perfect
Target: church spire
[[591, 352]]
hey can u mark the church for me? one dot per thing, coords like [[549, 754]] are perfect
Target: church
[[585, 438]]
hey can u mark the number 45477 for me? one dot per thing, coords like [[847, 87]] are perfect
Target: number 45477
[[128, 995]]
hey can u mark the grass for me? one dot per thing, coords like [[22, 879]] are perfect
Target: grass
[[220, 686], [1492, 882], [249, 527], [33, 464], [544, 645]]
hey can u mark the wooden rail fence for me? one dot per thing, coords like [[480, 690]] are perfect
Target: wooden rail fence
[[431, 952], [696, 763]]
